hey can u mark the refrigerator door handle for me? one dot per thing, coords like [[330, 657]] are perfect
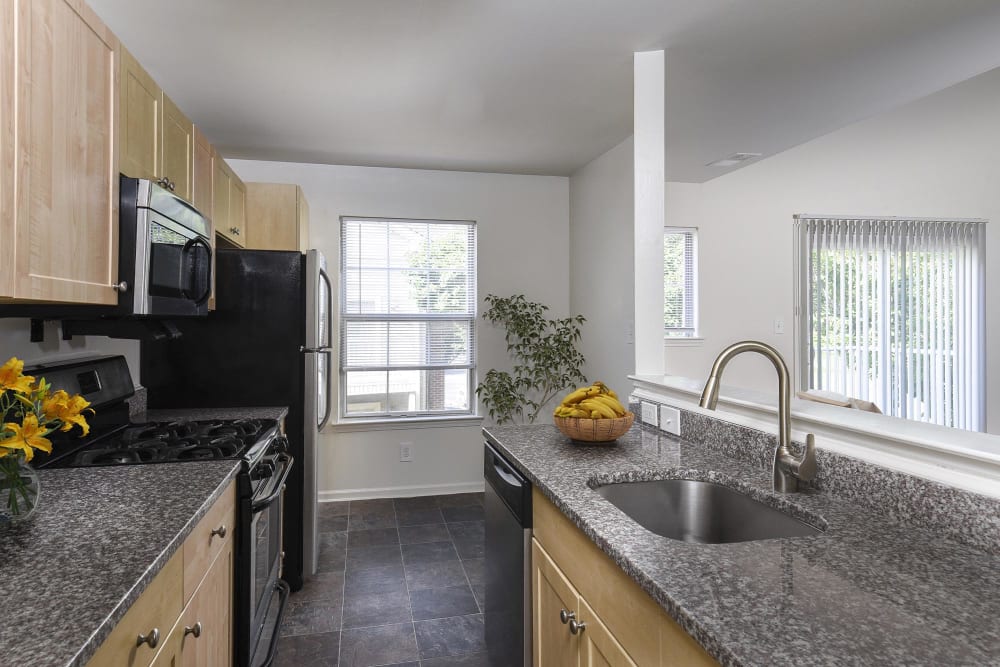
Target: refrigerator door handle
[[312, 350], [329, 307], [329, 388]]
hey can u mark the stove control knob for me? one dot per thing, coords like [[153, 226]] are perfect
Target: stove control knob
[[263, 470], [281, 444]]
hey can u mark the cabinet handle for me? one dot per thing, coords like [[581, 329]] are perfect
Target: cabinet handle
[[171, 185], [193, 630], [120, 287], [153, 638], [234, 230], [220, 531], [575, 627], [566, 616]]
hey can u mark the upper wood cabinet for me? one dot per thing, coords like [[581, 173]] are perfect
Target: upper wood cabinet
[[277, 217], [59, 178], [202, 173], [177, 149], [229, 203], [157, 139]]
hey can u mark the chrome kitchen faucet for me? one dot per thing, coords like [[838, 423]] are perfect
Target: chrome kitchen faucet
[[787, 470]]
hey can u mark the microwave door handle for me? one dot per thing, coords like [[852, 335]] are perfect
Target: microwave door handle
[[262, 504], [191, 244]]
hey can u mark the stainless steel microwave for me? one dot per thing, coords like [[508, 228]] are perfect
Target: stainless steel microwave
[[164, 251]]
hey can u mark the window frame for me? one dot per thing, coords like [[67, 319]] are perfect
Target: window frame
[[670, 334], [416, 416]]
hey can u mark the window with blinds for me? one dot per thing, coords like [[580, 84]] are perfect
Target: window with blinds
[[408, 317], [680, 256], [893, 311]]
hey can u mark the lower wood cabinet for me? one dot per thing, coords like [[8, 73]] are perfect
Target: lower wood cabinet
[[184, 617], [586, 612]]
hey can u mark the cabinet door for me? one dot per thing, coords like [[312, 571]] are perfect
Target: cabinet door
[[177, 142], [61, 243], [238, 208], [303, 222], [598, 648], [141, 109], [170, 649], [272, 216], [208, 617], [220, 198], [202, 173], [552, 594]]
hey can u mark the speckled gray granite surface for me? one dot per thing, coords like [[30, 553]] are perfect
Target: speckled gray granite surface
[[98, 538], [867, 591], [195, 414]]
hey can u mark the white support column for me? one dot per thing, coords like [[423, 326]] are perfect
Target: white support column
[[650, 211]]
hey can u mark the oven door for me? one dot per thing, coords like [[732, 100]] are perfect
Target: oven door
[[266, 556]]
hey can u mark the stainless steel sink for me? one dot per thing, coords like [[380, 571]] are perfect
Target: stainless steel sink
[[702, 512]]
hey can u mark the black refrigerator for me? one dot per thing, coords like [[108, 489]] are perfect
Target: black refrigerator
[[266, 344]]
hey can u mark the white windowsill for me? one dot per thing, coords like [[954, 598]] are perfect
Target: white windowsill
[[676, 341], [959, 458], [402, 423]]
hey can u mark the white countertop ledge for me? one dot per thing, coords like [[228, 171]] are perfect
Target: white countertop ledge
[[964, 459]]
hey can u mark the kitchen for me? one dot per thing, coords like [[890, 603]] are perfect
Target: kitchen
[[524, 216]]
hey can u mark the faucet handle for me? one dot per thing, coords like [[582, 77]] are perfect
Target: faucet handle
[[805, 468]]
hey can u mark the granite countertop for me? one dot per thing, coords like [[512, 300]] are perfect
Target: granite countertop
[[99, 536], [866, 591]]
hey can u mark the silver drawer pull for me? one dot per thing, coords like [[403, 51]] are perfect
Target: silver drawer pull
[[220, 531], [576, 627], [566, 616], [193, 630], [153, 638]]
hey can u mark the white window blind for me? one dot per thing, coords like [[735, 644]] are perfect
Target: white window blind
[[892, 311], [680, 282], [408, 316]]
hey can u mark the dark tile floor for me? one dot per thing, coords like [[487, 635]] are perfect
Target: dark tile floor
[[399, 582]]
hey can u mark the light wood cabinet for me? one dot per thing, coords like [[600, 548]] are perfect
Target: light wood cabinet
[[177, 143], [229, 203], [59, 179], [188, 604], [202, 172], [277, 217], [157, 139], [623, 625]]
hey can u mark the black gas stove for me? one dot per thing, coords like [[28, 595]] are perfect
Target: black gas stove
[[163, 442], [264, 467]]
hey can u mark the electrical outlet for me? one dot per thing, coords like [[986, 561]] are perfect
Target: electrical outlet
[[649, 413], [405, 452], [779, 325], [670, 419]]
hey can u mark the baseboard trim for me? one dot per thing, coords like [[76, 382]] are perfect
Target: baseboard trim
[[401, 491]]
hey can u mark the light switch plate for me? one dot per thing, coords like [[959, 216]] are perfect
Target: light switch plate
[[670, 419], [649, 413]]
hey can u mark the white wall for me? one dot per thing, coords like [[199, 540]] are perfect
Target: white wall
[[523, 247], [14, 343], [601, 266], [934, 157]]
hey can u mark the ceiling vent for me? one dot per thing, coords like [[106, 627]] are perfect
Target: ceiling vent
[[734, 159]]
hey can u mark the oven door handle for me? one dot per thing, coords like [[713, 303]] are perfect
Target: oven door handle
[[264, 503], [283, 591]]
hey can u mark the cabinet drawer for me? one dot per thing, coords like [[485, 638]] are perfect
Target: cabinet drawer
[[156, 609], [212, 533]]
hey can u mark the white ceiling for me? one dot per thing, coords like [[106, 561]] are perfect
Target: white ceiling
[[541, 86]]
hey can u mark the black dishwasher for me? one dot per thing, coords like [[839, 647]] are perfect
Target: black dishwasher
[[508, 562]]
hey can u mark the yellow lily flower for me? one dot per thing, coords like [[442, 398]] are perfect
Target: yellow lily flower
[[11, 377], [67, 409], [27, 437]]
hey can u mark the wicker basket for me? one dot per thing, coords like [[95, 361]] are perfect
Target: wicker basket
[[594, 430]]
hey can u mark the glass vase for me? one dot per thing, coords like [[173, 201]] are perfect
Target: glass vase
[[19, 489]]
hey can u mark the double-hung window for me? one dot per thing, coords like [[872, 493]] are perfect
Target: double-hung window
[[891, 311], [408, 317], [680, 282]]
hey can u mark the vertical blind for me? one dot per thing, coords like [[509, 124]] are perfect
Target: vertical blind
[[892, 311], [408, 343], [679, 282]]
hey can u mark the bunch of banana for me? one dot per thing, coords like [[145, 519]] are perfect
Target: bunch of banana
[[598, 401]]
